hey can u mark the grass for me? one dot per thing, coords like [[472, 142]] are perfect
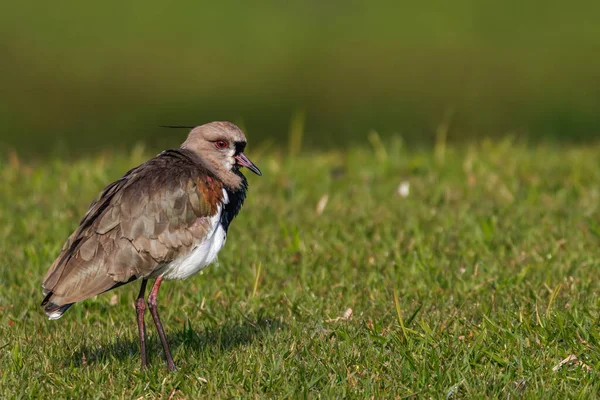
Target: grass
[[476, 284]]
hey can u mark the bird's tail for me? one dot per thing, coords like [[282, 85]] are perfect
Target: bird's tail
[[52, 310]]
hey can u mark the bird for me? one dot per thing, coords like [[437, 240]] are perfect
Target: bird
[[165, 219]]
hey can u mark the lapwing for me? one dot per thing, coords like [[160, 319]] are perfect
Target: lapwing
[[164, 219]]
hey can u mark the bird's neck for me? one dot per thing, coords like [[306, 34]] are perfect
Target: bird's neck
[[232, 179], [235, 200]]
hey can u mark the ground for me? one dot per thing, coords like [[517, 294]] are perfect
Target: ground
[[463, 271]]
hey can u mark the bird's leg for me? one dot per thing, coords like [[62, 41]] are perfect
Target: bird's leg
[[161, 332], [140, 308]]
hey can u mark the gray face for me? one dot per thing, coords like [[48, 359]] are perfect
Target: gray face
[[226, 151]]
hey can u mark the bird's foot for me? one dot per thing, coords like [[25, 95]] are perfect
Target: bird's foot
[[171, 367]]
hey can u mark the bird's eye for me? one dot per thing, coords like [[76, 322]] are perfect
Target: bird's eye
[[221, 144]]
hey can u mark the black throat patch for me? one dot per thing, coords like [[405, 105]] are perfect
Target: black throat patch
[[236, 199]]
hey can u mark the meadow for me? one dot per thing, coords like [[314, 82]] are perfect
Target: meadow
[[379, 271]]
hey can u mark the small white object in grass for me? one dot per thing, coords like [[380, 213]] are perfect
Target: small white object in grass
[[114, 300], [348, 313], [572, 360], [322, 204], [404, 189]]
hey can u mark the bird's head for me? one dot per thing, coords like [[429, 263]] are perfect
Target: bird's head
[[221, 146]]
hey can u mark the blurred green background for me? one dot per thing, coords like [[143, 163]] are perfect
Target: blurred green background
[[85, 76]]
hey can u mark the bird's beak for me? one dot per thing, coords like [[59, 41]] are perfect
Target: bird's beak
[[245, 162]]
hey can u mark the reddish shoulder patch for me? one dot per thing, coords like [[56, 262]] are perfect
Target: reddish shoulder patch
[[212, 192]]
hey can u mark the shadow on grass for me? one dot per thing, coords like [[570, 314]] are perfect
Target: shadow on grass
[[223, 338]]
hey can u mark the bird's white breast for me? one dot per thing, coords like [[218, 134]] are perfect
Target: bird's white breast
[[203, 254]]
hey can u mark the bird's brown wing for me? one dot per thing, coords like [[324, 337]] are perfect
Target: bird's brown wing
[[154, 214]]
